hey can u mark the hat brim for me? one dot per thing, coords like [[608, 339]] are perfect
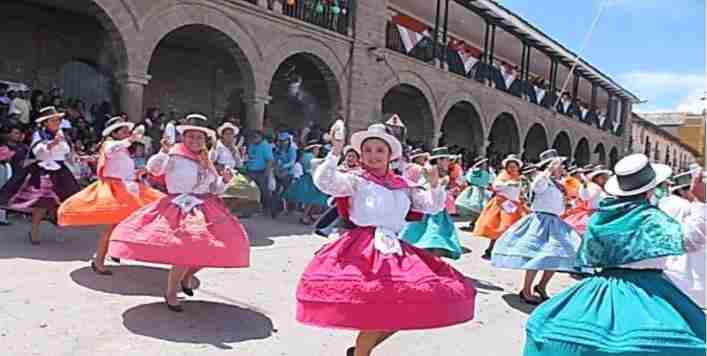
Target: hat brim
[[594, 174], [221, 129], [562, 159], [184, 128], [477, 164], [423, 154], [506, 161], [317, 145], [109, 130], [679, 187], [45, 118], [442, 156], [662, 173], [395, 147]]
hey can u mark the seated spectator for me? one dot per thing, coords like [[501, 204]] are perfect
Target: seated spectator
[[21, 107], [565, 106], [584, 114]]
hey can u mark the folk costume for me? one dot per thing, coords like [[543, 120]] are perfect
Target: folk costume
[[241, 193], [303, 189], [505, 208], [116, 194], [587, 202], [473, 199], [369, 279], [629, 308], [540, 240]]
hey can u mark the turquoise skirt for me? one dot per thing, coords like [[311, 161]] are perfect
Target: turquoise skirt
[[619, 312], [471, 201], [538, 241], [304, 191], [434, 232]]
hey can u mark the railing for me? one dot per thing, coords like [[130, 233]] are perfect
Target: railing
[[330, 14], [486, 74]]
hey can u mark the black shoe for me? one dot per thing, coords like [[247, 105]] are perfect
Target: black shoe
[[541, 293], [487, 255], [32, 242], [526, 300], [175, 308], [102, 273], [114, 259], [350, 351], [188, 291]]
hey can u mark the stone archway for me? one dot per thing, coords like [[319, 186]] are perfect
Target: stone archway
[[600, 153], [535, 143], [504, 138], [462, 127], [582, 155], [215, 76], [562, 144], [304, 90], [413, 108], [613, 157]]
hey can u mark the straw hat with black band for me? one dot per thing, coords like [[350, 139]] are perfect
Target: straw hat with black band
[[116, 123], [549, 156], [440, 152], [312, 144], [196, 122], [635, 175], [228, 126], [599, 171], [380, 132], [479, 161], [512, 158], [416, 153], [47, 113]]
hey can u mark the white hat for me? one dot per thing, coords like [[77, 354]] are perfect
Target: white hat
[[48, 113], [441, 152], [479, 162], [226, 126], [512, 158], [636, 175], [417, 152], [679, 187], [378, 131], [115, 124], [196, 122], [599, 172], [550, 155]]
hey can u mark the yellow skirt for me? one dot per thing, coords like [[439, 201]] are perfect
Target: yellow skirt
[[104, 202]]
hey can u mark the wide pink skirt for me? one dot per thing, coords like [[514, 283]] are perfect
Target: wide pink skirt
[[351, 285], [578, 218], [207, 236]]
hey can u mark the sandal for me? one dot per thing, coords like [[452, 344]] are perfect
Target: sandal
[[99, 272], [175, 308], [543, 295], [527, 300]]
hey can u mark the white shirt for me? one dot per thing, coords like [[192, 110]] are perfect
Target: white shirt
[[22, 106], [48, 157], [184, 176], [220, 154], [375, 205], [509, 189], [592, 194], [118, 163], [547, 198], [566, 106], [539, 94], [509, 79]]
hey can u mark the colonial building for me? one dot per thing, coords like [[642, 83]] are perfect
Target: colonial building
[[688, 127], [660, 145], [466, 73]]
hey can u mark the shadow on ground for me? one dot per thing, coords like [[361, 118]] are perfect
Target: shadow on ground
[[201, 322], [262, 231], [513, 300], [78, 244], [126, 280]]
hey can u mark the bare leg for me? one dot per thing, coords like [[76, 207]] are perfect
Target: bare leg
[[175, 276], [306, 215], [544, 280], [188, 279], [38, 215], [528, 283], [102, 249], [368, 340]]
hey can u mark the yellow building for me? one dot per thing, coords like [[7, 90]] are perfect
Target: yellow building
[[688, 128], [660, 145]]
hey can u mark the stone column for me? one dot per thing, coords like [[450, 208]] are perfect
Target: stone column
[[131, 94], [255, 111]]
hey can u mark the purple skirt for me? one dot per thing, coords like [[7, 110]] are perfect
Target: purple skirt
[[36, 187]]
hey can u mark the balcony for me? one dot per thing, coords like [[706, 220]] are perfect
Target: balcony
[[477, 46], [333, 15]]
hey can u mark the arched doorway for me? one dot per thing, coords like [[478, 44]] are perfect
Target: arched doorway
[[412, 107], [462, 128], [600, 153], [503, 138], [613, 157], [304, 91], [197, 68], [535, 143], [562, 144], [581, 154]]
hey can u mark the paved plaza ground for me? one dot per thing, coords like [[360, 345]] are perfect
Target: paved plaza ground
[[52, 304]]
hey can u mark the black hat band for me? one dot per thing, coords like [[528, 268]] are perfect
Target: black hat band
[[637, 180]]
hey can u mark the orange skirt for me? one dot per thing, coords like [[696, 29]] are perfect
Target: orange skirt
[[494, 221], [105, 202]]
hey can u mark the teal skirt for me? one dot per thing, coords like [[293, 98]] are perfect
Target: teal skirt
[[471, 201], [304, 191], [619, 312], [434, 232]]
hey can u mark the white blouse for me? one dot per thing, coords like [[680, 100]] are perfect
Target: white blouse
[[376, 206], [118, 162], [220, 154], [48, 157], [592, 194], [547, 198], [508, 189], [184, 176]]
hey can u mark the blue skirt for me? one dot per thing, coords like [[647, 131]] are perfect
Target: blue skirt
[[434, 232], [538, 241], [619, 312], [471, 201], [304, 191]]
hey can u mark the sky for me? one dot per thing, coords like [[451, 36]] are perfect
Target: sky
[[654, 48]]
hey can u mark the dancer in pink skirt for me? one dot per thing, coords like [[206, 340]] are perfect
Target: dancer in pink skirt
[[590, 193], [368, 279], [190, 228]]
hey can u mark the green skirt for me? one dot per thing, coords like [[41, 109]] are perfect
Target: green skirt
[[618, 312], [434, 232]]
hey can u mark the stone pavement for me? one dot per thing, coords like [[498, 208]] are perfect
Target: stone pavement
[[52, 304]]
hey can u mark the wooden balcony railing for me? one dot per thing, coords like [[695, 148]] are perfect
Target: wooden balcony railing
[[333, 15]]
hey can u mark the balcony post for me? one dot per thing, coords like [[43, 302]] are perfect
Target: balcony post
[[575, 85], [445, 53], [435, 36], [487, 33], [527, 62], [493, 44]]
